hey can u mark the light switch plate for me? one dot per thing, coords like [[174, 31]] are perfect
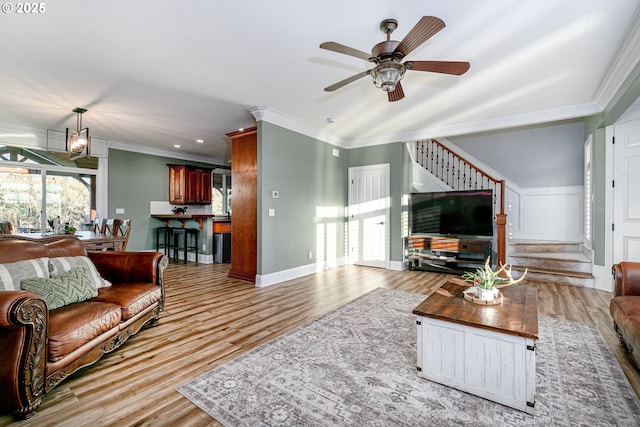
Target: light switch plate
[[120, 211], [272, 212]]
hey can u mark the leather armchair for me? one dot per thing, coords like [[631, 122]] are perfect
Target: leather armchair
[[625, 306]]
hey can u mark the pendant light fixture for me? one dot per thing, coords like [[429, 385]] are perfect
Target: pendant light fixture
[[78, 141]]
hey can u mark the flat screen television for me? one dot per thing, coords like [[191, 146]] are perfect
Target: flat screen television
[[452, 213]]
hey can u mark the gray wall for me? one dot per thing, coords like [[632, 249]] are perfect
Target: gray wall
[[136, 179], [308, 179], [540, 156]]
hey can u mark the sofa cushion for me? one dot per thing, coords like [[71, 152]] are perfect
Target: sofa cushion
[[12, 274], [73, 286], [625, 311], [76, 324], [132, 297], [61, 265]]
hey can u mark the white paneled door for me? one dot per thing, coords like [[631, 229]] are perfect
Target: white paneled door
[[626, 200], [369, 210]]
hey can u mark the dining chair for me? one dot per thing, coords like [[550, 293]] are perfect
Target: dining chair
[[99, 225], [122, 227], [6, 227]]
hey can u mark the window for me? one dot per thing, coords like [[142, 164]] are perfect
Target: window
[[588, 189], [37, 186], [221, 194]]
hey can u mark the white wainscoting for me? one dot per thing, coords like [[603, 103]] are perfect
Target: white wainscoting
[[545, 213]]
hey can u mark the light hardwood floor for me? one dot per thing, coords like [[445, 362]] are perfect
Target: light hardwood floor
[[210, 319]]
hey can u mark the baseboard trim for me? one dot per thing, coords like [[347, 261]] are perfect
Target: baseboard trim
[[602, 278], [398, 265], [202, 258], [263, 280]]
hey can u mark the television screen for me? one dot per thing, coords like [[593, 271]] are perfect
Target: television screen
[[452, 213]]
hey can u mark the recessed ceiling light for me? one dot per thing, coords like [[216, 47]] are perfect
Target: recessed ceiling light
[[176, 145], [330, 120], [200, 141], [240, 130]]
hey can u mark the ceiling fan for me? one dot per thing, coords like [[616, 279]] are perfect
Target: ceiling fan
[[388, 56]]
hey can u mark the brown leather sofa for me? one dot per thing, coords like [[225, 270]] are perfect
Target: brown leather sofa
[[39, 348], [625, 306]]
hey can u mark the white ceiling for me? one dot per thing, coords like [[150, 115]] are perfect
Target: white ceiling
[[159, 73]]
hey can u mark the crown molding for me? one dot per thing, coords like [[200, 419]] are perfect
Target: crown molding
[[532, 117], [143, 149], [624, 60], [273, 116], [23, 136]]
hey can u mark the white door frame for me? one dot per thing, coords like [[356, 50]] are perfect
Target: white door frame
[[604, 280], [387, 209], [625, 227]]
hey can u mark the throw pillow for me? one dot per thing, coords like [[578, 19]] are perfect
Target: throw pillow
[[13, 273], [64, 289], [60, 265]]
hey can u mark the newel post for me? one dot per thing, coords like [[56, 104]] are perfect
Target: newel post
[[501, 222]]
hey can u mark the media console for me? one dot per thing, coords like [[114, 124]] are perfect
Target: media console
[[447, 254]]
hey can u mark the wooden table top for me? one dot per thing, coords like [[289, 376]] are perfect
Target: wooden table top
[[199, 218], [516, 315], [83, 236], [182, 216]]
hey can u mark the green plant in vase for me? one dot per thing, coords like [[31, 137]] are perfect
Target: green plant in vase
[[488, 282]]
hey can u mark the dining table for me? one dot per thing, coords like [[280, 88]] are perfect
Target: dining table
[[92, 241]]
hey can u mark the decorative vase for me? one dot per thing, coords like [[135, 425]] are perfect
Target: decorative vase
[[487, 294]]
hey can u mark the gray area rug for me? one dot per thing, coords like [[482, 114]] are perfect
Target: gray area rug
[[356, 366]]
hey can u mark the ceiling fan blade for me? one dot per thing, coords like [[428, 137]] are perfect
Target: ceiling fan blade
[[426, 28], [346, 81], [340, 48], [444, 67], [397, 94]]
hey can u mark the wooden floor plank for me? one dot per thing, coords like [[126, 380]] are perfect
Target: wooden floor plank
[[210, 319]]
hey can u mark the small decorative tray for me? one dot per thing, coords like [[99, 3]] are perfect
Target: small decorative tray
[[472, 295]]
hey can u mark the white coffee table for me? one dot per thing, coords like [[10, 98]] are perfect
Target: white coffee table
[[485, 350]]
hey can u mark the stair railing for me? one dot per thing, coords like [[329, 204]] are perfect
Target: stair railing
[[460, 174]]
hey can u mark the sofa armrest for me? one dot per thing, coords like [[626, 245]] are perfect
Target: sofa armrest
[[626, 276], [129, 267], [24, 320]]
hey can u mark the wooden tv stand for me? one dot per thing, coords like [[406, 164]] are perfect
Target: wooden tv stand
[[447, 254]]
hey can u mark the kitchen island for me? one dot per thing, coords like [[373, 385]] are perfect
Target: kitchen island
[[199, 218], [209, 235]]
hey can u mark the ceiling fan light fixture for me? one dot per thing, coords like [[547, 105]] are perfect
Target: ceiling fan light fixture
[[387, 75], [78, 141]]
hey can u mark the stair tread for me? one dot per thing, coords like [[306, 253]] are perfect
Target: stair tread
[[553, 272], [542, 242], [560, 256]]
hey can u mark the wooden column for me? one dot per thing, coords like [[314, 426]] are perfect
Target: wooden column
[[244, 204]]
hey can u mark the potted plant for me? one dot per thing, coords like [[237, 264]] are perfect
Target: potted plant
[[487, 283], [70, 230]]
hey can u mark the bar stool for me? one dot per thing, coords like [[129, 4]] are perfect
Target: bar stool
[[185, 247], [166, 244]]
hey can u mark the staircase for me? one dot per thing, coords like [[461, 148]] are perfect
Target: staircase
[[547, 261]]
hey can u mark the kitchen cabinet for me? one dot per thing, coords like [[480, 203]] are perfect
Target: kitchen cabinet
[[189, 185]]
